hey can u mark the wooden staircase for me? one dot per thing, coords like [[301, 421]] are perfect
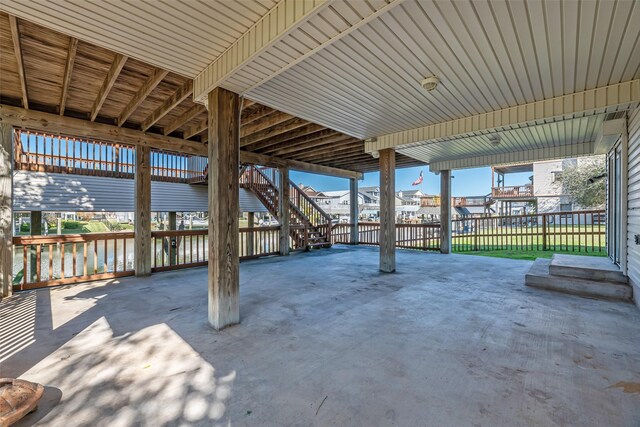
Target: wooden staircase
[[310, 226]]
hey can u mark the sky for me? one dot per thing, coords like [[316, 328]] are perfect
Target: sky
[[465, 182]]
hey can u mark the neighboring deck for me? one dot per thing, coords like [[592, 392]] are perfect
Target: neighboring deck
[[448, 339]]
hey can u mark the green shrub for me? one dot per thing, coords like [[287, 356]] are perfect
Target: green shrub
[[25, 228], [71, 224]]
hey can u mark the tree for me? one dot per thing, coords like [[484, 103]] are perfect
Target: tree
[[585, 182]]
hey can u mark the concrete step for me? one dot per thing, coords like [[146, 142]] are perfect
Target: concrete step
[[586, 267], [539, 277]]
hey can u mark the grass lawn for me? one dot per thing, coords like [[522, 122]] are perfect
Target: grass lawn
[[529, 254]]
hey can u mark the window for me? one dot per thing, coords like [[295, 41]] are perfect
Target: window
[[566, 207], [557, 176]]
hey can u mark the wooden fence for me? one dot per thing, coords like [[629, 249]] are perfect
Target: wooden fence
[[41, 261], [409, 236], [578, 231]]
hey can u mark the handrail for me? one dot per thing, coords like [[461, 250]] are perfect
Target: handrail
[[525, 190], [298, 190]]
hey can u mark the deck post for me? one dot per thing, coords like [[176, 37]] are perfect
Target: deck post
[[173, 250], [251, 222], [35, 229], [353, 210], [224, 208], [387, 210], [283, 209], [6, 210], [445, 211], [142, 216]]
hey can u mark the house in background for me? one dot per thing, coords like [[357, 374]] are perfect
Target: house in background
[[544, 193]]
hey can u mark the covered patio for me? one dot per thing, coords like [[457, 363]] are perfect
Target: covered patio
[[222, 100], [434, 344]]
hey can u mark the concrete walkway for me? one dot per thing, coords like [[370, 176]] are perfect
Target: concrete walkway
[[449, 340]]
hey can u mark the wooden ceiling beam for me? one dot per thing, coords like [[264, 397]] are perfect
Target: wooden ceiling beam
[[306, 130], [338, 155], [279, 129], [247, 157], [308, 137], [187, 116], [257, 113], [246, 103], [149, 85], [109, 81], [271, 120], [17, 48], [196, 129], [169, 104], [320, 143], [334, 148], [71, 58]]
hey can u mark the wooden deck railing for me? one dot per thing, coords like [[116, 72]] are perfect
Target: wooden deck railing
[[409, 236], [41, 261], [39, 152], [578, 231], [515, 191]]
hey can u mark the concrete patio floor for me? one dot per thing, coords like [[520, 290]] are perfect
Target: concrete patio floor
[[448, 340]]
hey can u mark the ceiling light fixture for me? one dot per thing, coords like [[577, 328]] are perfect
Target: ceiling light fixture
[[495, 139], [430, 83]]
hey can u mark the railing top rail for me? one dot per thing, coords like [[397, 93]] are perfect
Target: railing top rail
[[71, 238], [171, 233], [534, 215], [311, 201]]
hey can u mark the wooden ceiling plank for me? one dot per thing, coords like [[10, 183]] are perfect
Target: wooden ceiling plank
[[17, 48], [246, 103], [196, 129], [169, 104], [187, 116], [326, 143], [282, 132], [256, 114], [247, 157], [71, 57], [281, 139], [279, 129], [109, 81], [337, 147], [149, 85], [271, 120], [300, 139]]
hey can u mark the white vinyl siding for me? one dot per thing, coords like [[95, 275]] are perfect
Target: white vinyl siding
[[633, 228], [71, 193]]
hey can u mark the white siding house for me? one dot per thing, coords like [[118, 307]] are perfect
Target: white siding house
[[633, 202]]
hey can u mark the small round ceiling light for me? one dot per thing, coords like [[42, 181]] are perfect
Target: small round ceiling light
[[430, 83], [495, 139]]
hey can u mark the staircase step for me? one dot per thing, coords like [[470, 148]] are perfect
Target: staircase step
[[539, 277], [320, 245], [586, 267]]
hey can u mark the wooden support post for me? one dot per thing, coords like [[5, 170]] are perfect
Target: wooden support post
[[224, 208], [283, 210], [173, 241], [6, 210], [445, 211], [251, 223], [142, 219], [35, 229], [354, 212], [387, 210]]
